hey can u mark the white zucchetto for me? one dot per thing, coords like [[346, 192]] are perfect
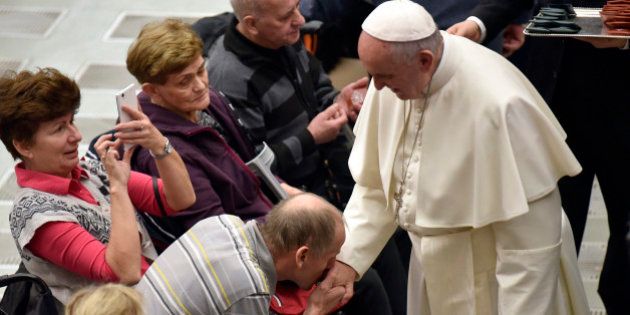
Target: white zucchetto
[[399, 21]]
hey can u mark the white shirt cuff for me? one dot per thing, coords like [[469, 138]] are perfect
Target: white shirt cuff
[[482, 27]]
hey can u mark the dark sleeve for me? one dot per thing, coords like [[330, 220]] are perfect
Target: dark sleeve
[[325, 93], [208, 202], [328, 11], [253, 119], [497, 14], [246, 92]]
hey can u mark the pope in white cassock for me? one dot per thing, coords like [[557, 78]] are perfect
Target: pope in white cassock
[[454, 145]]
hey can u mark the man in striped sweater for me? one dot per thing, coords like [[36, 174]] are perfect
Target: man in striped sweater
[[225, 266]]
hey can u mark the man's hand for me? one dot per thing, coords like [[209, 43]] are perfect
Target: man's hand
[[513, 39], [341, 275], [345, 97], [326, 125], [605, 42], [324, 299], [468, 29]]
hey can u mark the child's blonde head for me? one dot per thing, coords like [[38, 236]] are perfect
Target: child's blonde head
[[108, 299]]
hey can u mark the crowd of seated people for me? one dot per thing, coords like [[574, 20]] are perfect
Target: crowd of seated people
[[200, 124], [91, 238], [166, 60], [74, 220], [285, 99]]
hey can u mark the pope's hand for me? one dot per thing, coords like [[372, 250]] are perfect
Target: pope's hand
[[341, 275], [324, 299], [349, 103]]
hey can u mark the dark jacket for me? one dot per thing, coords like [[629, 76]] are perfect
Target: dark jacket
[[587, 89], [222, 181], [495, 14], [276, 94]]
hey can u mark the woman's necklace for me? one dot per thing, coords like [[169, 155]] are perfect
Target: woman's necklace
[[405, 167]]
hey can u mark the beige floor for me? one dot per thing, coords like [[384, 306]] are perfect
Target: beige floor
[[88, 40]]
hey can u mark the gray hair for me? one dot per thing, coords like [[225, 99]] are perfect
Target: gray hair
[[293, 223], [406, 51], [243, 8]]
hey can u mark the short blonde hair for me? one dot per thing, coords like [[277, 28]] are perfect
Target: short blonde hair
[[108, 299], [163, 48]]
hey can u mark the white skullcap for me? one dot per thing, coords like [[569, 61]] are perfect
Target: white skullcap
[[399, 21]]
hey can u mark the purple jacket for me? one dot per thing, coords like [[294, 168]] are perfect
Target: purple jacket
[[222, 181]]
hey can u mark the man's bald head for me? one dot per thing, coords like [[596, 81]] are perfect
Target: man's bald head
[[304, 219], [269, 23], [243, 8]]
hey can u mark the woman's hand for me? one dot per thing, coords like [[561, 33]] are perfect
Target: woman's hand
[[117, 170], [123, 249], [140, 131]]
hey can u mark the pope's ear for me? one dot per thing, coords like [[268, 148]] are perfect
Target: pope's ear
[[300, 256], [425, 57]]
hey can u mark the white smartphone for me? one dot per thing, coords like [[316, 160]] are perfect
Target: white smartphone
[[128, 96]]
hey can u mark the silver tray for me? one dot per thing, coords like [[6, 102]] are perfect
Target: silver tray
[[590, 22]]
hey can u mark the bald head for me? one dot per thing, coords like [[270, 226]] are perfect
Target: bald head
[[243, 8], [304, 219], [269, 23]]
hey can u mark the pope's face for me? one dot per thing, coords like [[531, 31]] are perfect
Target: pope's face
[[404, 77]]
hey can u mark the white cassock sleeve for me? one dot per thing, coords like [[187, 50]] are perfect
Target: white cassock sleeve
[[369, 224], [368, 227]]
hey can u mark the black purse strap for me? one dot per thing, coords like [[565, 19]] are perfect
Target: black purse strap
[[158, 198]]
